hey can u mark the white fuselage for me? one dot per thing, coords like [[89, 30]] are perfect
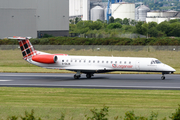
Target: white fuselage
[[93, 64], [89, 64]]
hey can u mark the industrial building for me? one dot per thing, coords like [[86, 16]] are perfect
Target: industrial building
[[143, 13], [34, 18], [160, 16], [104, 9], [101, 9]]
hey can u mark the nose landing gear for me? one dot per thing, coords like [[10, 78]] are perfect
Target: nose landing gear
[[163, 77]]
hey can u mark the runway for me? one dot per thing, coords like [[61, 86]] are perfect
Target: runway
[[102, 81]]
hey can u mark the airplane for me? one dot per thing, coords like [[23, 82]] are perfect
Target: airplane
[[90, 65]]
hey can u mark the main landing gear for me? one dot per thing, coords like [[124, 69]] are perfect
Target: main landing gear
[[78, 75], [163, 77], [89, 75]]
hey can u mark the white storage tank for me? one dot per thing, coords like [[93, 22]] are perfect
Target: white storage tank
[[123, 10], [137, 13], [97, 13], [143, 12]]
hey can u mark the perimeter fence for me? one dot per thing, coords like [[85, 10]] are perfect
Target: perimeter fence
[[96, 47]]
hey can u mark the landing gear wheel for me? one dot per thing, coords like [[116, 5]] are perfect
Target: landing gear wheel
[[163, 78], [88, 75], [76, 76]]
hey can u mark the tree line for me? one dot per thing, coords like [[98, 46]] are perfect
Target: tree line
[[118, 26], [98, 41]]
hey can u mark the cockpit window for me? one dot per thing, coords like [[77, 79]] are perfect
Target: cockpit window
[[156, 62]]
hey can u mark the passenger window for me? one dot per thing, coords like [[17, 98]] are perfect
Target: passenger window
[[120, 62], [106, 61], [62, 60], [115, 61], [124, 62], [66, 60], [79, 60], [75, 60], [129, 62], [84, 60], [98, 61], [102, 61], [89, 61], [94, 61], [111, 61], [71, 61]]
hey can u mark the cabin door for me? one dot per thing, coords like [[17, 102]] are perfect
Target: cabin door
[[137, 65]]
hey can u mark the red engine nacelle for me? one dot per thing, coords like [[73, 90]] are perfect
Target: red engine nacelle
[[47, 59]]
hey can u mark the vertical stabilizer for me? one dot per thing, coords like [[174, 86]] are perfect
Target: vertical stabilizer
[[26, 47]]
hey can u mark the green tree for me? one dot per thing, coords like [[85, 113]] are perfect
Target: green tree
[[145, 29], [173, 20], [153, 32], [83, 26], [139, 27], [77, 20], [175, 29], [164, 27], [71, 21], [132, 22], [118, 20], [114, 26], [100, 20], [152, 24], [96, 25], [72, 28], [126, 21], [111, 20]]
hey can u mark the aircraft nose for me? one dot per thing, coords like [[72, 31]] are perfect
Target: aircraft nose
[[169, 68]]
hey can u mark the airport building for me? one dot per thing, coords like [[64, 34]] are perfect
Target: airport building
[[34, 18]]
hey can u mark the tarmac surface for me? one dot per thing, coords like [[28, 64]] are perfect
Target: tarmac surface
[[100, 81]]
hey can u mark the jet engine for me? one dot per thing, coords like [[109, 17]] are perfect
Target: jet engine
[[47, 59]]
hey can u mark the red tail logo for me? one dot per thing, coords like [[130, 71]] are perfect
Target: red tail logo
[[26, 48]]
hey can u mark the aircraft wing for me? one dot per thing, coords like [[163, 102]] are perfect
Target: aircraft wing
[[89, 69]]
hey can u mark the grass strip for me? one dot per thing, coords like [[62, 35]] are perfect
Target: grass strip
[[48, 103]]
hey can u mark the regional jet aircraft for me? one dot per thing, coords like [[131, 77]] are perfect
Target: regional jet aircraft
[[90, 64]]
